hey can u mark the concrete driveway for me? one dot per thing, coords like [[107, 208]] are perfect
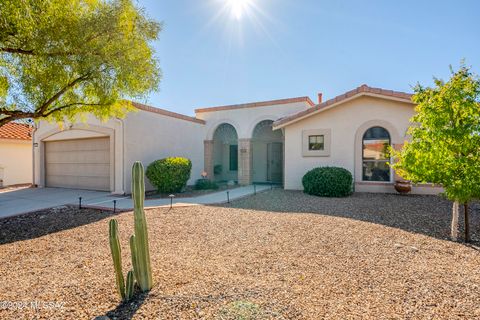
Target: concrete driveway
[[32, 199]]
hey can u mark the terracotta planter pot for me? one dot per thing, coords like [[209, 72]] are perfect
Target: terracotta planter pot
[[403, 187]]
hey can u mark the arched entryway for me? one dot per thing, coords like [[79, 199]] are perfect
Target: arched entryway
[[267, 153], [225, 153]]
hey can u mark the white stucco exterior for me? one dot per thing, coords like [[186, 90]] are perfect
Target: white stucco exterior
[[15, 161], [142, 136], [221, 140], [150, 136], [346, 124], [245, 119], [253, 152]]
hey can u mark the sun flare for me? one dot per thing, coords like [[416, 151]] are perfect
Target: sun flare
[[239, 7]]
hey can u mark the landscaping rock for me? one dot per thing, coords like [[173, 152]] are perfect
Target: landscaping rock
[[275, 255]]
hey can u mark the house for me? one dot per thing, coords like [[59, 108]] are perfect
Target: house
[[274, 141], [353, 131], [15, 154], [99, 155]]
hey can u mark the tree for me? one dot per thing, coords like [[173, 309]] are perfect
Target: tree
[[445, 140], [59, 58]]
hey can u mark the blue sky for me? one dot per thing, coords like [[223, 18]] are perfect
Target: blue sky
[[287, 48]]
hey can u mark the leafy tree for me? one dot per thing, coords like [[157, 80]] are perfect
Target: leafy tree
[[59, 58], [445, 140]]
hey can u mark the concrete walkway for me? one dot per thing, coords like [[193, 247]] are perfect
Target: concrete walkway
[[211, 198], [33, 199]]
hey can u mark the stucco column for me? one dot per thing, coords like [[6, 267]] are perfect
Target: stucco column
[[244, 161], [208, 158]]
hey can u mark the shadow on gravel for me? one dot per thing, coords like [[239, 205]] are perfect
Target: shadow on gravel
[[126, 310], [43, 222], [428, 215]]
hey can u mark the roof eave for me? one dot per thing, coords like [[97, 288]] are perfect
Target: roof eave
[[267, 103], [281, 123], [167, 113]]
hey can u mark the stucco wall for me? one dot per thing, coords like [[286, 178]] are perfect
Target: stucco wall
[[245, 119], [142, 135], [347, 123], [150, 136], [15, 161], [251, 156]]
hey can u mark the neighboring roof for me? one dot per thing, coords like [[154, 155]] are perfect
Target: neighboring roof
[[257, 104], [167, 113], [17, 131], [363, 90]]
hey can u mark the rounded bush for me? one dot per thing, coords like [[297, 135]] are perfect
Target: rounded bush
[[169, 174], [206, 184], [328, 182]]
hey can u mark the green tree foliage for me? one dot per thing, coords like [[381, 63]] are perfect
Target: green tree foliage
[[445, 138], [59, 58]]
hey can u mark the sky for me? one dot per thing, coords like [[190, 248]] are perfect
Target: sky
[[213, 54]]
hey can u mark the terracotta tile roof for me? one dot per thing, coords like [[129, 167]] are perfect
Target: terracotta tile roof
[[359, 91], [167, 113], [18, 131], [257, 104]]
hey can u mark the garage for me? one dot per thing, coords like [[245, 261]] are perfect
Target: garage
[[78, 163]]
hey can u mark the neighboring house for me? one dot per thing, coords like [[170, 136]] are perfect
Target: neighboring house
[[275, 141], [15, 154]]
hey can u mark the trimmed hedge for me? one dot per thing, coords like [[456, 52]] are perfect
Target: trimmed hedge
[[169, 174], [206, 184], [328, 182]]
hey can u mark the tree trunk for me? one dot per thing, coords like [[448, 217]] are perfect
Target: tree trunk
[[454, 231], [467, 222]]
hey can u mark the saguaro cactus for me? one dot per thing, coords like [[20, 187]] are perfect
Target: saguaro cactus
[[116, 256], [141, 252], [142, 272], [129, 291]]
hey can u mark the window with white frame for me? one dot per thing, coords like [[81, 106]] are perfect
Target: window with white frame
[[316, 142]]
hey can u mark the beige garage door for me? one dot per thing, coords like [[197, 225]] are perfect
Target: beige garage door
[[79, 163]]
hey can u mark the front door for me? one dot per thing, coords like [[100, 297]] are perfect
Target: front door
[[275, 162]]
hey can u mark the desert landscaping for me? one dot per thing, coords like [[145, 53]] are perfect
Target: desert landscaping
[[275, 255]]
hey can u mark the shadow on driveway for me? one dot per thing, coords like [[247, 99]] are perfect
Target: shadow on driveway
[[43, 222]]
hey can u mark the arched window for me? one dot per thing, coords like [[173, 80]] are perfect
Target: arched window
[[375, 143]]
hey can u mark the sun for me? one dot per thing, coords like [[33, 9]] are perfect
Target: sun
[[238, 7]]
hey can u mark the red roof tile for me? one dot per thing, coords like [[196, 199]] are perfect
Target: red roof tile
[[13, 130]]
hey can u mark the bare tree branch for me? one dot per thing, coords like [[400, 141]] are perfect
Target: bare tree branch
[[5, 120], [57, 95], [17, 50], [73, 105]]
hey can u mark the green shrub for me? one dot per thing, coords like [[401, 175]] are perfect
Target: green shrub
[[169, 174], [205, 184], [328, 182]]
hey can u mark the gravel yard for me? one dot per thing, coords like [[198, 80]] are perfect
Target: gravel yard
[[276, 255]]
